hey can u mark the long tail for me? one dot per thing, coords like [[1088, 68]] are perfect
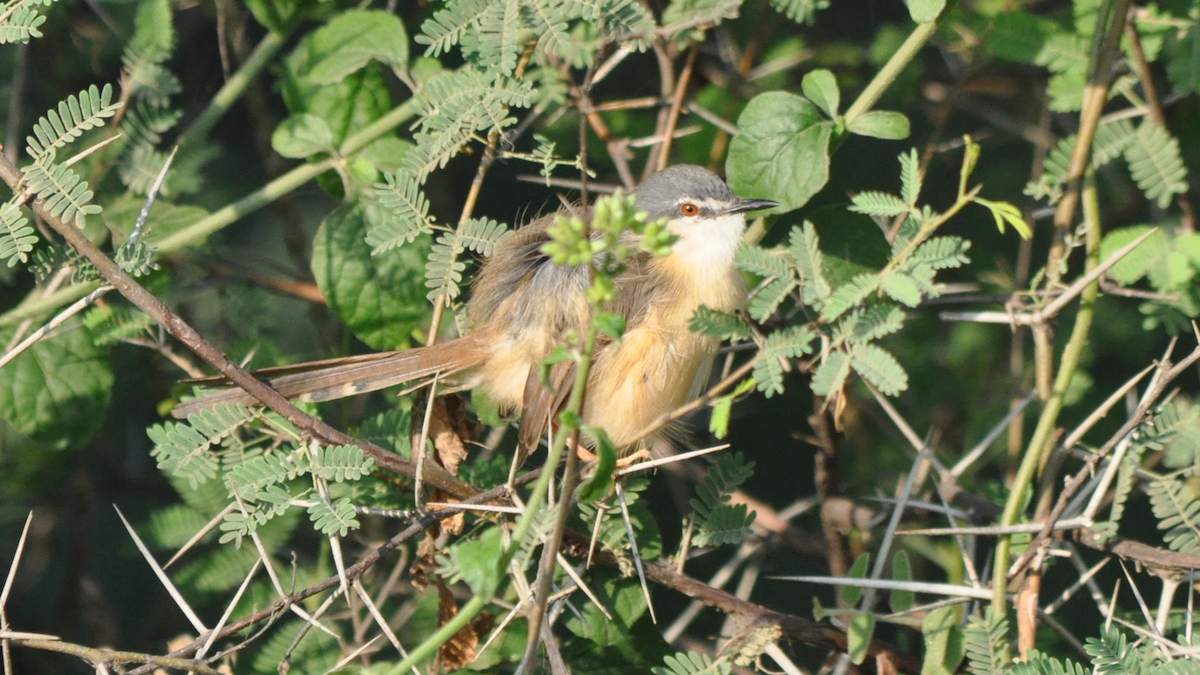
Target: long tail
[[342, 379]]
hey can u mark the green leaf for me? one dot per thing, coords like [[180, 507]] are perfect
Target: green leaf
[[73, 116], [621, 596], [910, 177], [879, 367], [380, 298], [1183, 65], [782, 152], [850, 593], [878, 204], [985, 642], [1155, 163], [760, 261], [474, 560], [901, 601], [1019, 36], [901, 288], [788, 343], [767, 299], [820, 87], [805, 248], [924, 11], [1136, 263], [330, 518], [718, 324], [800, 11], [832, 374], [858, 636], [1177, 509], [718, 423], [354, 39], [885, 124], [347, 104], [600, 483], [851, 245], [17, 237], [944, 647], [397, 213], [690, 663], [58, 390], [302, 135], [276, 15]]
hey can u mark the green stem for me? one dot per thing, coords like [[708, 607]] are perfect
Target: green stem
[[1042, 435], [234, 87], [244, 206], [443, 634], [891, 70]]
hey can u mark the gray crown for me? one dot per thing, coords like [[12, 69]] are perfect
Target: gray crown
[[661, 194]]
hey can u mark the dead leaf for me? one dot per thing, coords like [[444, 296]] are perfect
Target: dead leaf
[[459, 650]]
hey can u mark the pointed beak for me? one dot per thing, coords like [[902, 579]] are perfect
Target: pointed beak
[[745, 205]]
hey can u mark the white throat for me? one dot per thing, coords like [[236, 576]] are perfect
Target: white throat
[[706, 246]]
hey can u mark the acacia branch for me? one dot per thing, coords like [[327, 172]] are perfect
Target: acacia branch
[[181, 330]]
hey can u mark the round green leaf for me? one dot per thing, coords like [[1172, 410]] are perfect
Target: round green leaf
[[347, 105], [624, 599], [380, 298], [58, 390], [885, 124], [820, 87], [924, 11], [356, 38], [781, 152], [302, 135]]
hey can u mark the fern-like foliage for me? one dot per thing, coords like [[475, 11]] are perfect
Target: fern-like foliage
[[719, 325], [800, 11], [1155, 163], [443, 271], [21, 25], [806, 254], [184, 449], [399, 214], [339, 463], [986, 644], [877, 366], [17, 236], [691, 663], [1177, 509], [717, 521], [784, 344], [65, 194], [337, 517], [111, 324], [456, 106], [1037, 663], [73, 116], [1112, 654], [494, 34]]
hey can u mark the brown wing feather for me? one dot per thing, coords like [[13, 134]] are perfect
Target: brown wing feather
[[344, 380], [541, 404]]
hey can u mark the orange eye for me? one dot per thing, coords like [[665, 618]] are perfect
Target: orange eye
[[689, 209]]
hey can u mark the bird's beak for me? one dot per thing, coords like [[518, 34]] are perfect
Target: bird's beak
[[744, 205]]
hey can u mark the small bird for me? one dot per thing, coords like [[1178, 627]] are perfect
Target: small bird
[[522, 306]]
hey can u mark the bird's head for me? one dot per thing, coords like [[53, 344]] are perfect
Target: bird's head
[[701, 211]]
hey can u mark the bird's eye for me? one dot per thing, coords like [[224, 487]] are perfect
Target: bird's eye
[[689, 209]]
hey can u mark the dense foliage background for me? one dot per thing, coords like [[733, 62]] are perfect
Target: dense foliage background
[[321, 176]]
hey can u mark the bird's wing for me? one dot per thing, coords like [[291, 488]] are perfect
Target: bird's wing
[[348, 379], [541, 404]]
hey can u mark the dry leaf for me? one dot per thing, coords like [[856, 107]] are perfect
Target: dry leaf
[[459, 650]]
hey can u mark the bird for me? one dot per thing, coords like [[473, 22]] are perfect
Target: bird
[[522, 306]]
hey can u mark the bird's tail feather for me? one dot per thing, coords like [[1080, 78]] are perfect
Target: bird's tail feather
[[333, 379]]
